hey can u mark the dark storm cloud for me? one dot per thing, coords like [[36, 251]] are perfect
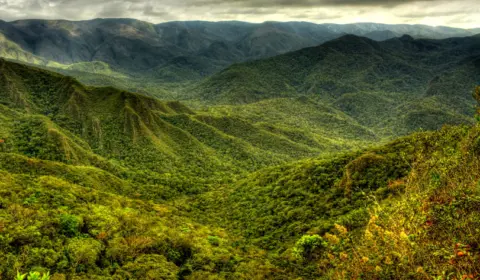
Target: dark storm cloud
[[427, 14], [246, 11], [315, 16], [114, 10], [462, 13]]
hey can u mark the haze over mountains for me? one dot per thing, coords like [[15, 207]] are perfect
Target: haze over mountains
[[179, 51]]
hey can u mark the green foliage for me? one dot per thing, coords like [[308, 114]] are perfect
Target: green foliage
[[84, 251], [70, 225], [277, 205], [309, 247], [160, 143], [115, 237], [20, 276], [33, 275], [34, 138], [476, 95], [149, 267], [38, 276], [428, 232], [214, 240]]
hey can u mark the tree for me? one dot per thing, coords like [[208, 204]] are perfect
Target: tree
[[149, 267], [309, 246], [84, 251], [70, 225], [477, 97]]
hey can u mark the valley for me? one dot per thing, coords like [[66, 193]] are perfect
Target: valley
[[230, 150]]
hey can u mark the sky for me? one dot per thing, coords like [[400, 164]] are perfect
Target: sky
[[455, 13]]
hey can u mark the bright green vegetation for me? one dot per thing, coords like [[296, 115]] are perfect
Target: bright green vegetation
[[34, 275], [302, 120], [70, 158], [90, 177], [406, 210], [49, 224], [133, 137], [102, 183], [384, 88]]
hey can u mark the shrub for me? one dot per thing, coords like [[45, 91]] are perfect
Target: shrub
[[214, 240], [70, 225], [84, 251]]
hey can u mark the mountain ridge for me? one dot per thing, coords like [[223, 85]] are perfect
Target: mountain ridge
[[116, 130], [412, 77], [148, 46]]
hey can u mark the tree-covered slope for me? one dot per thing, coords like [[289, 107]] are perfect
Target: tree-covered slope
[[75, 162], [406, 210], [76, 231], [53, 117], [85, 151], [401, 211], [70, 203], [349, 64], [274, 206], [279, 172]]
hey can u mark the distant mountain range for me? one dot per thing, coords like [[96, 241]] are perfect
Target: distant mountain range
[[178, 51], [423, 82]]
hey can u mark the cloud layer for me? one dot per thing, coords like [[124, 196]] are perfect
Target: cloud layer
[[458, 13]]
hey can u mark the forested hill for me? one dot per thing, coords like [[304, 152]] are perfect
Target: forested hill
[[394, 86], [404, 210], [353, 64]]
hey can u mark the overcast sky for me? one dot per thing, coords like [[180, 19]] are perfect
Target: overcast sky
[[456, 13]]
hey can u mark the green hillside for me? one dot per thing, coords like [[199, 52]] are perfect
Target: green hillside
[[148, 45], [352, 64], [141, 132], [314, 219], [75, 230], [391, 88], [85, 151], [406, 210]]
